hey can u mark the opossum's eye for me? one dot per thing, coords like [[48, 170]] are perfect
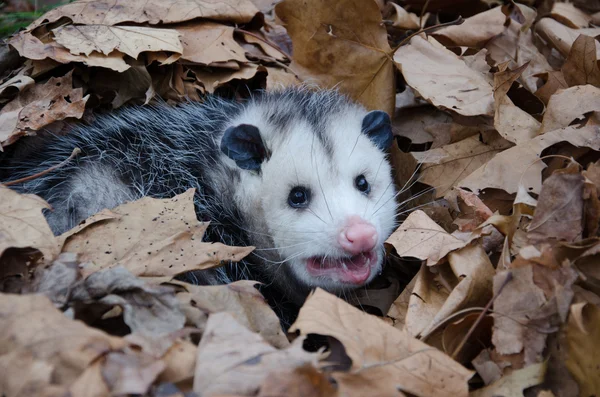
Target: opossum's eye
[[361, 184], [299, 197], [378, 127]]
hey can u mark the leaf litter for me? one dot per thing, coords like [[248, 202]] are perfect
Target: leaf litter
[[499, 146]]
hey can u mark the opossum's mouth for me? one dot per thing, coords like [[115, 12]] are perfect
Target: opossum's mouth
[[352, 270]]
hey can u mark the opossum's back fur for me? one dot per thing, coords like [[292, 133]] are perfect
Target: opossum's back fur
[[161, 151]]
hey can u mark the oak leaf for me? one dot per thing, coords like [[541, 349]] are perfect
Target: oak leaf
[[342, 44], [581, 66], [208, 43], [569, 104]]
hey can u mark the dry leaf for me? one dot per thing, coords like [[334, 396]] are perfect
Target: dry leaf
[[450, 165], [342, 44], [581, 66], [420, 237], [554, 81], [562, 37], [278, 79], [112, 12], [400, 362], [23, 225], [559, 212], [300, 382], [568, 105], [240, 299], [147, 309], [33, 48], [149, 237], [210, 43], [31, 325], [40, 105], [130, 40], [521, 164], [265, 46], [444, 79], [512, 122], [515, 383], [403, 19], [215, 78], [567, 14], [14, 84], [583, 333], [232, 359]]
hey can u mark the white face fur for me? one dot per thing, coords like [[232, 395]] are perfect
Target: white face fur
[[327, 170]]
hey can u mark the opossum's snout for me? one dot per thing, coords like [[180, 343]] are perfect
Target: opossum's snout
[[357, 236]]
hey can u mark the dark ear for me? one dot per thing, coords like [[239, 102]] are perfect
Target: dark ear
[[378, 127], [244, 145]]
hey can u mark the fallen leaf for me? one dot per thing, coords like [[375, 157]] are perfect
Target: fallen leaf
[[127, 374], [217, 77], [583, 357], [232, 359], [568, 105], [444, 79], [553, 81], [149, 237], [403, 19], [113, 12], [299, 382], [399, 362], [450, 165], [342, 44], [479, 333], [40, 105], [562, 37], [208, 43], [581, 66], [31, 47], [421, 124], [240, 299], [147, 309], [559, 211], [515, 383], [512, 122], [520, 164], [568, 14], [278, 79], [420, 237], [15, 84], [489, 370], [23, 225], [104, 39], [265, 46], [31, 325]]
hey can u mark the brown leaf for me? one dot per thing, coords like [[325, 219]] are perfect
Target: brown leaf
[[279, 78], [104, 39], [113, 12], [40, 105], [403, 19], [562, 37], [14, 85], [149, 237], [554, 81], [422, 124], [31, 47], [398, 361], [420, 237], [583, 360], [147, 309], [343, 45], [130, 374], [217, 77], [300, 382], [207, 43], [444, 79], [450, 165], [475, 31], [514, 384], [23, 225], [31, 325], [240, 299], [581, 66], [521, 164], [265, 46], [559, 212], [232, 359], [567, 14], [512, 122], [568, 105]]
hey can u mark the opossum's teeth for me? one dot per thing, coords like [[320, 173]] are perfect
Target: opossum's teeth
[[353, 270]]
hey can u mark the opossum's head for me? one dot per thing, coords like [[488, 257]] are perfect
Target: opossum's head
[[315, 186]]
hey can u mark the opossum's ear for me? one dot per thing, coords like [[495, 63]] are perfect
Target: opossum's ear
[[244, 145], [378, 127]]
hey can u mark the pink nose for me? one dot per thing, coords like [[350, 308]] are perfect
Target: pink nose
[[357, 236]]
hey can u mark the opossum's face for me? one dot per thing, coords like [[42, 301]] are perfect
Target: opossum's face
[[320, 197]]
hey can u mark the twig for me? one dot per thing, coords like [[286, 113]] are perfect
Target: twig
[[423, 13], [481, 315], [457, 21], [75, 152]]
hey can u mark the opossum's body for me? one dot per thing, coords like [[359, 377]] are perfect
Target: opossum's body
[[302, 176]]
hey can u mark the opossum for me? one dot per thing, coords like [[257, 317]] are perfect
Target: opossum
[[302, 175]]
